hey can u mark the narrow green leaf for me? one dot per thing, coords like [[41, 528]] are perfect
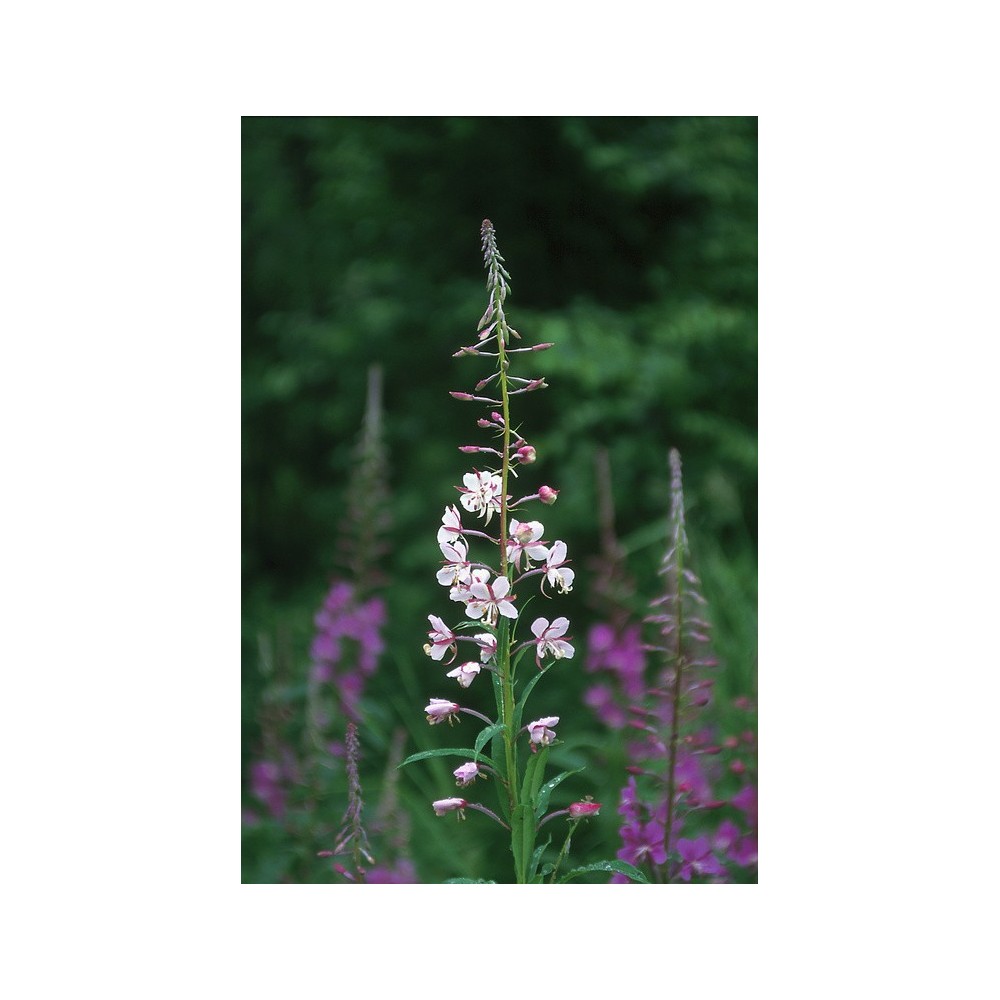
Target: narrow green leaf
[[534, 772], [522, 832], [475, 755], [468, 881], [545, 791], [622, 867], [486, 735], [536, 857], [528, 688]]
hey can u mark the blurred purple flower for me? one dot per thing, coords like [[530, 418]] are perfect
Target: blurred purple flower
[[697, 858]]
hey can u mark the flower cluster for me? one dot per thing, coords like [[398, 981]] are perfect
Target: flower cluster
[[490, 585]]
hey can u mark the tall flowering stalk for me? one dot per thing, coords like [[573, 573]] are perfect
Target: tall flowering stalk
[[676, 762], [492, 592]]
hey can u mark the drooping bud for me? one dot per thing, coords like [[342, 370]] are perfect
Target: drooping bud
[[466, 774], [579, 810], [547, 495], [525, 454], [443, 806]]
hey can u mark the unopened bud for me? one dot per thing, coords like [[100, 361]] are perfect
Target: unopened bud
[[542, 347], [469, 449], [547, 495], [461, 395], [525, 454], [498, 417], [324, 854], [578, 810], [483, 422]]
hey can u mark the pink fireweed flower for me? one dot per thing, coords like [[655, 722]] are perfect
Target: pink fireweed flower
[[466, 774], [441, 710], [442, 639], [489, 600], [481, 493], [547, 495], [457, 570], [555, 569], [523, 538], [548, 639], [451, 525], [579, 810], [443, 806], [466, 673], [539, 731], [487, 645]]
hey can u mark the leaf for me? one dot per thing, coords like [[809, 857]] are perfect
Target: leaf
[[534, 772], [528, 688], [522, 838], [468, 881], [475, 755], [536, 857], [485, 736], [622, 867], [546, 791]]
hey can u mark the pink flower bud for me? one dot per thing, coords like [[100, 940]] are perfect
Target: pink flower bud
[[469, 449], [547, 495], [498, 417], [440, 709], [578, 810], [525, 454], [443, 806], [466, 774], [462, 395], [542, 347], [483, 422]]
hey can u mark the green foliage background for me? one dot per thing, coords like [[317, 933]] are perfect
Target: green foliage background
[[631, 244]]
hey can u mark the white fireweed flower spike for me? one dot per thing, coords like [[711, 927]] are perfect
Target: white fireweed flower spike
[[451, 525], [466, 673], [539, 731], [548, 639], [481, 493], [457, 571], [555, 571], [443, 806], [524, 537], [490, 599], [466, 774], [441, 710], [442, 639], [488, 645]]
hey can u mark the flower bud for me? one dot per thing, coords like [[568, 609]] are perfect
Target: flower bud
[[578, 810], [443, 806], [497, 417], [465, 396], [466, 774], [525, 454], [547, 495]]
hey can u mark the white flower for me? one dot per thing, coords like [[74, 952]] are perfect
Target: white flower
[[466, 673], [487, 645], [457, 570], [539, 731], [524, 536], [555, 571], [442, 639], [481, 493], [441, 710], [466, 774], [451, 525], [490, 598], [548, 641]]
